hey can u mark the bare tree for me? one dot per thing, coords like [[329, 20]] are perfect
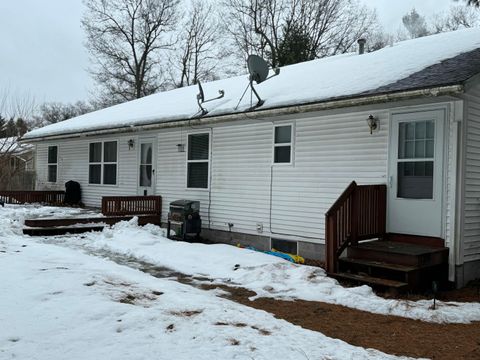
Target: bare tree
[[53, 112], [328, 27], [125, 39], [19, 109], [457, 17], [198, 47], [255, 25], [472, 2]]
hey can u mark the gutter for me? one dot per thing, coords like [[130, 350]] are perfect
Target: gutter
[[252, 115]]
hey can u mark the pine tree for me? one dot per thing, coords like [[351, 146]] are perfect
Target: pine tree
[[295, 47]]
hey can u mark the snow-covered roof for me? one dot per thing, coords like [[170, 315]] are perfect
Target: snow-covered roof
[[390, 69], [10, 145]]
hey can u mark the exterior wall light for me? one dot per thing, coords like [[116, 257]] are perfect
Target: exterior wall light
[[372, 123], [131, 144]]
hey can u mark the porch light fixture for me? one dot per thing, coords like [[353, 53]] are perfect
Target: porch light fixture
[[372, 123], [131, 144], [181, 147]]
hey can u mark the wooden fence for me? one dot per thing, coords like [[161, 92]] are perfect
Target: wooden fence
[[131, 205], [23, 197]]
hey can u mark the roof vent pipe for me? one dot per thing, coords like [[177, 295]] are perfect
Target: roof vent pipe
[[361, 46]]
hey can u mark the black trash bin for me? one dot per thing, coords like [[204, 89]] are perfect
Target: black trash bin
[[73, 193]]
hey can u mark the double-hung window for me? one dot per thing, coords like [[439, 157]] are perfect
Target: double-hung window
[[198, 161], [102, 163], [52, 163], [282, 147]]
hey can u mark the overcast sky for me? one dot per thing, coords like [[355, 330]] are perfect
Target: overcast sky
[[42, 51]]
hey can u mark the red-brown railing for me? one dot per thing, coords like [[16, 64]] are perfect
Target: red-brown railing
[[131, 205], [358, 214], [23, 197]]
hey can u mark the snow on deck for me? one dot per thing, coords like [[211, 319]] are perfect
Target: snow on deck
[[312, 81]]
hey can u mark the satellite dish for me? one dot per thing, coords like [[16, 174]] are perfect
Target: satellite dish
[[201, 98], [258, 68]]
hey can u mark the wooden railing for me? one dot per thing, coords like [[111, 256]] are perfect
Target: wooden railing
[[358, 214], [23, 197], [131, 205]]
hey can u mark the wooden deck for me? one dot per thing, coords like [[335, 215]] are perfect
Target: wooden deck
[[52, 227], [359, 249], [401, 265]]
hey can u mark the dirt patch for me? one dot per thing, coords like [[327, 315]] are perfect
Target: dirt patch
[[186, 313], [390, 334]]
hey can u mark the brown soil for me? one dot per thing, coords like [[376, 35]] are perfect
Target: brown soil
[[390, 334]]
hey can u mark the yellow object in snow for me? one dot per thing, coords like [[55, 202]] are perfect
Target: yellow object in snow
[[296, 258]]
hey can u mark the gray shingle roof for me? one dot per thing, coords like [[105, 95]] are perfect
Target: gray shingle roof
[[453, 71]]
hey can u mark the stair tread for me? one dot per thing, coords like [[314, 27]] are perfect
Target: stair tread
[[399, 248], [380, 264], [60, 230], [371, 280]]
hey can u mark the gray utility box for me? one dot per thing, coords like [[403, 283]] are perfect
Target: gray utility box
[[184, 219]]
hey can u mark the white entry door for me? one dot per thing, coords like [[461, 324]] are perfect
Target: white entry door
[[415, 192], [146, 166]]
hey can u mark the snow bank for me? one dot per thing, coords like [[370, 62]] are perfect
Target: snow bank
[[63, 304], [266, 275], [312, 81]]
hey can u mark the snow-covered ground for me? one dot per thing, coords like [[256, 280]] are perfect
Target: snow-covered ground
[[266, 275], [60, 303]]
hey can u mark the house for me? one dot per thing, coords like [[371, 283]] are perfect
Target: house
[[17, 165], [406, 117]]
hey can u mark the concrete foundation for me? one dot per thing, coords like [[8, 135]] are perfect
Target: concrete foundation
[[307, 250], [467, 272]]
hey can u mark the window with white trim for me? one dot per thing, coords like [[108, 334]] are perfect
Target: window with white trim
[[52, 163], [198, 160], [102, 163], [282, 146]]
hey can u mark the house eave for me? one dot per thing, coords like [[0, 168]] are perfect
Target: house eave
[[345, 102]]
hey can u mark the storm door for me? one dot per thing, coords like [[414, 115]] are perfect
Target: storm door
[[146, 166], [415, 195]]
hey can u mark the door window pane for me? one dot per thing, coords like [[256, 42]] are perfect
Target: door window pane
[[416, 140], [146, 175], [415, 180], [146, 153], [110, 174]]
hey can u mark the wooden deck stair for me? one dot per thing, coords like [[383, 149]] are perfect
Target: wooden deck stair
[[52, 227], [394, 264]]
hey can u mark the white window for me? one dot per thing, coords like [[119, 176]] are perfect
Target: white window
[[52, 163], [103, 163], [198, 160], [282, 146]]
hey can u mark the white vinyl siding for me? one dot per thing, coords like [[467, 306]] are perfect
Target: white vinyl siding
[[246, 188], [73, 161], [471, 220]]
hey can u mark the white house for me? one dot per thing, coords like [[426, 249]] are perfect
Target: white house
[[268, 175]]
